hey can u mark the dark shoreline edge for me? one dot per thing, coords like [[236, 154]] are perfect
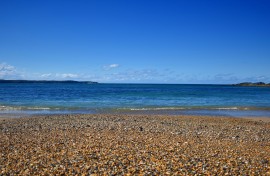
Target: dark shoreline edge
[[209, 113], [46, 81]]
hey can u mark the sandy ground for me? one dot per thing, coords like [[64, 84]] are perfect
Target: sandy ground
[[134, 145]]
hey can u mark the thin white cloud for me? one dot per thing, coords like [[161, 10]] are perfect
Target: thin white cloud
[[111, 66], [9, 72], [133, 76], [6, 67], [47, 75], [140, 75], [69, 75], [114, 65], [59, 76]]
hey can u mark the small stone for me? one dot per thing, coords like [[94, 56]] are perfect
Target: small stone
[[264, 161]]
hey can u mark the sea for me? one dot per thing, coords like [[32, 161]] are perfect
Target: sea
[[20, 99]]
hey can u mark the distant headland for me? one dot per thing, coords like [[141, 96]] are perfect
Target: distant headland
[[259, 84], [46, 81]]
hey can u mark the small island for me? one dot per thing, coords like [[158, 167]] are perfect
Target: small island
[[258, 84]]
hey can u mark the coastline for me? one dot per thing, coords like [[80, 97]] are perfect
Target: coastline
[[238, 112], [134, 144]]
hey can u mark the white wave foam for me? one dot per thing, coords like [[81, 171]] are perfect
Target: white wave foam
[[21, 108], [39, 108], [227, 108], [149, 109], [185, 108]]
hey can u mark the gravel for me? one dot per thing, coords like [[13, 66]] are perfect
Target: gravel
[[133, 145]]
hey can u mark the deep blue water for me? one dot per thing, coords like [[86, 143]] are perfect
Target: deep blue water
[[134, 98]]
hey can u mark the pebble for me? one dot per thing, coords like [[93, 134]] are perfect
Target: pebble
[[113, 145]]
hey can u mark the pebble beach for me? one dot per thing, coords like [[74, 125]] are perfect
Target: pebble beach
[[104, 144]]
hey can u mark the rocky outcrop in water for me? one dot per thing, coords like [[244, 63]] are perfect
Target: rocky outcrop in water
[[262, 84]]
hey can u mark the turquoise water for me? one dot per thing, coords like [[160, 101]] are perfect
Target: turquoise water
[[54, 98]]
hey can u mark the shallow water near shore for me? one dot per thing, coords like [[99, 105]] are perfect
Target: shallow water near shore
[[20, 99]]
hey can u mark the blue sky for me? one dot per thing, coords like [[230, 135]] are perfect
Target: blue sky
[[136, 41]]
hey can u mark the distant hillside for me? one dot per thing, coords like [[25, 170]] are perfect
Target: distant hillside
[[45, 81], [261, 84]]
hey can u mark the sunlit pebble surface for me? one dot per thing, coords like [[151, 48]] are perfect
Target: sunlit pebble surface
[[133, 145]]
